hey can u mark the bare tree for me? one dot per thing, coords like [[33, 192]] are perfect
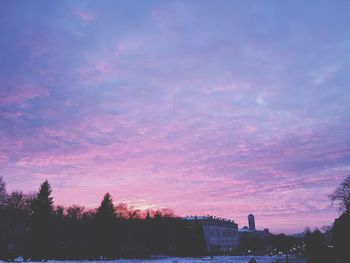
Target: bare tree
[[341, 196], [3, 193]]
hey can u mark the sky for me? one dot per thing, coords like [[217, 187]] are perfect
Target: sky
[[218, 108]]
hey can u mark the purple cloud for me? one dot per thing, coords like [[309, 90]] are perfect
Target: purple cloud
[[240, 108]]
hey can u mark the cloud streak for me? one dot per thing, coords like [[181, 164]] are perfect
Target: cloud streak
[[234, 107]]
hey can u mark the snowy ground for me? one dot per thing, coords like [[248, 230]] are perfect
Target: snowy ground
[[219, 259]]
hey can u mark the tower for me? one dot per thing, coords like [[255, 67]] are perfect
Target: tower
[[251, 222]]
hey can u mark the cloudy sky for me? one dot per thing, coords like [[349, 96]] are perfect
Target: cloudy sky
[[204, 107]]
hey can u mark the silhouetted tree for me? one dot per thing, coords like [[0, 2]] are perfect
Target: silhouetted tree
[[18, 211], [31, 226], [284, 243], [341, 226], [341, 196], [316, 250], [341, 237], [184, 239], [3, 193], [106, 227], [199, 244], [3, 226], [75, 212], [251, 243], [3, 237], [14, 214], [41, 227]]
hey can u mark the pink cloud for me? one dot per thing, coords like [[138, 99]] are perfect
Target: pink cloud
[[165, 105], [86, 15], [20, 91], [11, 115]]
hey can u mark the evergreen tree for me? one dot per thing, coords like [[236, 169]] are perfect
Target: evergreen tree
[[106, 211], [105, 221], [42, 210]]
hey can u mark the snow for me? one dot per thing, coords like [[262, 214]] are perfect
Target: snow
[[218, 259]]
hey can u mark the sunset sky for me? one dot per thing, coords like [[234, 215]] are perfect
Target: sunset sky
[[204, 107]]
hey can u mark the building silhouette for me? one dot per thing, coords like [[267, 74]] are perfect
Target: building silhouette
[[251, 222], [219, 234]]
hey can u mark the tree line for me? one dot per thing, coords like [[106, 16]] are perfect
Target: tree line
[[32, 227], [333, 244]]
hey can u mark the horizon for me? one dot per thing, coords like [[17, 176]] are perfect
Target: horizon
[[143, 210], [224, 109]]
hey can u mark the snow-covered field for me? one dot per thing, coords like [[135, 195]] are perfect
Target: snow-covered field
[[219, 259], [222, 259]]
